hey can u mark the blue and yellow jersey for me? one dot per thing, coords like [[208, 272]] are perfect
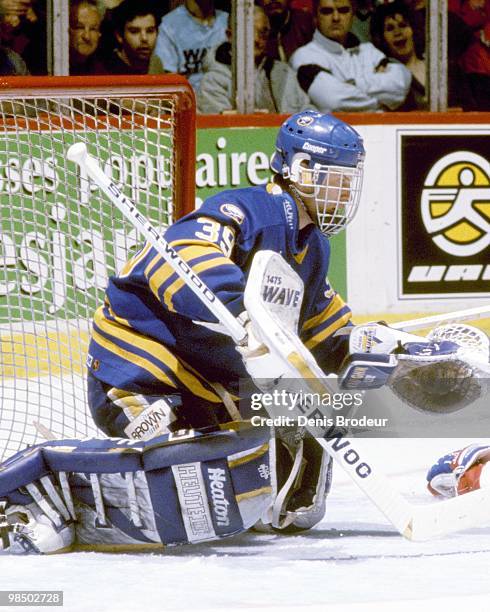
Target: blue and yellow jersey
[[147, 337]]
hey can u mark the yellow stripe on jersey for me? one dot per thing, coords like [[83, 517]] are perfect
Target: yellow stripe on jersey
[[192, 241], [154, 348], [328, 331], [141, 362], [133, 404], [134, 261], [174, 244], [219, 260], [165, 271], [336, 304], [300, 256]]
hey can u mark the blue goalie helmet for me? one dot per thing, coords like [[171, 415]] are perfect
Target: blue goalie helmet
[[322, 159]]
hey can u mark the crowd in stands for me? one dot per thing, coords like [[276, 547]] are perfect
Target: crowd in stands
[[333, 55]]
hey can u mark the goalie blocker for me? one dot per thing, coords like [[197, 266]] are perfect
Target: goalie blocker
[[116, 494]]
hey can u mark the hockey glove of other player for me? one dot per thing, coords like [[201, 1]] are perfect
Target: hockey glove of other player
[[460, 472]]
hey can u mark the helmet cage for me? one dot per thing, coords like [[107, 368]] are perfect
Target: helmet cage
[[335, 190]]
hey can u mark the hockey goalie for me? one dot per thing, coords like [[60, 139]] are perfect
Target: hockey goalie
[[181, 462]]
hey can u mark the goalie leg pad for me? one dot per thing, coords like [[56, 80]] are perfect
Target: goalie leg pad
[[116, 494], [301, 474]]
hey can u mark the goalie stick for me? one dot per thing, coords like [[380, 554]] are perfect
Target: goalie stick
[[78, 153], [414, 522], [467, 314]]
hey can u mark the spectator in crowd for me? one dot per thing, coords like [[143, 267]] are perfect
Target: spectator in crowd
[[341, 74], [85, 22], [276, 87], [107, 8], [185, 36], [23, 31], [363, 10], [290, 28], [11, 63], [135, 30], [418, 18], [475, 59], [459, 37], [392, 33]]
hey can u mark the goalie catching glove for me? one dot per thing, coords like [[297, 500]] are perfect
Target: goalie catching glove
[[447, 373], [441, 373], [460, 472]]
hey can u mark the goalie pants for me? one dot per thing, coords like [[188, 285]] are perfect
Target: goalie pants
[[142, 416]]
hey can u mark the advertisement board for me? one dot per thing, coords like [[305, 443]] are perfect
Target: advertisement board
[[444, 222]]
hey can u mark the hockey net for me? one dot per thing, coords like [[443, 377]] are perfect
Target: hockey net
[[60, 238]]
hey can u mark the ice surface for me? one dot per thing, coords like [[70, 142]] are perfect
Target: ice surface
[[353, 561]]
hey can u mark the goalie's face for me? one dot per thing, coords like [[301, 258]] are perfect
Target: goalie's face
[[330, 193]]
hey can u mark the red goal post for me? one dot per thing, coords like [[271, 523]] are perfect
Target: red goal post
[[60, 238]]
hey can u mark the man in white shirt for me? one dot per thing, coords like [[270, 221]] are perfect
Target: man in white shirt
[[341, 74]]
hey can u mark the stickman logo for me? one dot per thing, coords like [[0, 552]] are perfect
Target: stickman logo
[[455, 203]]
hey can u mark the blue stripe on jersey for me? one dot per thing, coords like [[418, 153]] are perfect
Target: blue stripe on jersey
[[136, 346], [154, 362]]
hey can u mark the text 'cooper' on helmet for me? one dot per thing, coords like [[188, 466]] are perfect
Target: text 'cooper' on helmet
[[327, 140]]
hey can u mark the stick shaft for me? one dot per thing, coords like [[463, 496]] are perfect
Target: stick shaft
[[153, 236], [468, 314]]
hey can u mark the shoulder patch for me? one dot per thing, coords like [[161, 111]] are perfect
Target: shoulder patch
[[232, 211]]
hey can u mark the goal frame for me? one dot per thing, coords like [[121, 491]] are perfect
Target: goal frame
[[102, 85], [42, 359]]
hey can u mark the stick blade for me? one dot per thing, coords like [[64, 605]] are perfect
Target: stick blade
[[468, 511], [77, 152]]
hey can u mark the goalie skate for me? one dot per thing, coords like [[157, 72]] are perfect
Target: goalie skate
[[27, 530]]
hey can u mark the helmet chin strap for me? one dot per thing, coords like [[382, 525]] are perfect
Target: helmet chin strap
[[299, 200]]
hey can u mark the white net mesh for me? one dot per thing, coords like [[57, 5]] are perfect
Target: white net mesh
[[60, 239]]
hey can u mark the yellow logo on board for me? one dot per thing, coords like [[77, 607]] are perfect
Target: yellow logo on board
[[455, 203]]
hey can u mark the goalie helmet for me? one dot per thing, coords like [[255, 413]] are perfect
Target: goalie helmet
[[322, 158]]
